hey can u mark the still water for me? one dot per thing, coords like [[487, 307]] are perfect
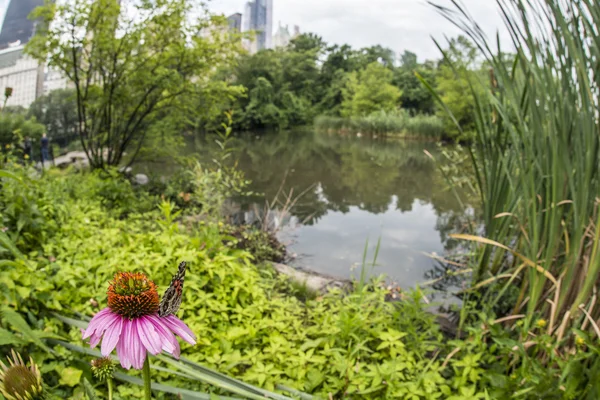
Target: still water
[[350, 191]]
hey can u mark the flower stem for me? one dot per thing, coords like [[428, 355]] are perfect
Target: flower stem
[[147, 382], [110, 388]]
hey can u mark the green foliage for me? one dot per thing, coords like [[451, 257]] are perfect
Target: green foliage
[[395, 124], [248, 326], [14, 127], [290, 86], [24, 212], [282, 85], [370, 90], [535, 154], [263, 246], [212, 186], [416, 98], [353, 345], [458, 82]]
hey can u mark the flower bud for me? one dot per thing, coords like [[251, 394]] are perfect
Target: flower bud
[[103, 368], [19, 382]]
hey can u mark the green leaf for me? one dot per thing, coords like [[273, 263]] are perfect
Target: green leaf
[[7, 337], [15, 320], [8, 244], [186, 394], [70, 376], [71, 321], [89, 390], [10, 175]]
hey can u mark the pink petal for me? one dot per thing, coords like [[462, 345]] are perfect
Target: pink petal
[[95, 339], [169, 342], [137, 348], [148, 335], [99, 322], [123, 347], [179, 328], [111, 337]]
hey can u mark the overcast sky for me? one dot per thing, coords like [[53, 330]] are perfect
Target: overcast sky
[[397, 24]]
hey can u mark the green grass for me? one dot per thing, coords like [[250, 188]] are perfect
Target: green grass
[[536, 156]]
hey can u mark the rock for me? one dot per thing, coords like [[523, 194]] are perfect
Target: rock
[[76, 158], [313, 281], [140, 179], [125, 170]]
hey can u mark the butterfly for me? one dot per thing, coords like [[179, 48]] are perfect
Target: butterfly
[[171, 300]]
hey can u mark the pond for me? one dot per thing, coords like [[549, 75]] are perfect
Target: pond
[[349, 193]]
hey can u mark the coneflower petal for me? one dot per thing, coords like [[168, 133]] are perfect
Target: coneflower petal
[[148, 335], [137, 348], [123, 349], [180, 329], [169, 342], [111, 337], [99, 322], [95, 339]]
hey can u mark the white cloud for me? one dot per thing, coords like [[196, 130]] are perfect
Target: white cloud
[[397, 24]]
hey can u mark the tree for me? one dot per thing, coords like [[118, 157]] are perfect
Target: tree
[[415, 96], [57, 110], [377, 53], [283, 85], [408, 60], [370, 90], [456, 73], [129, 62], [308, 42]]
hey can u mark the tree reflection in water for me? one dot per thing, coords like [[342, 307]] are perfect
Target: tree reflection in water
[[392, 185]]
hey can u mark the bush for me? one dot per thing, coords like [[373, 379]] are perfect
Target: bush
[[15, 127]]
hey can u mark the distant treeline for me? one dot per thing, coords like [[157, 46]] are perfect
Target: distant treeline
[[368, 90]]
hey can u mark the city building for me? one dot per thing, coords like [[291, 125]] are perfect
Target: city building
[[21, 73], [16, 27], [235, 22], [258, 17], [54, 80], [282, 37], [26, 76], [17, 70]]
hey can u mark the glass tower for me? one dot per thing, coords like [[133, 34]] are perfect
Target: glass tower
[[258, 17]]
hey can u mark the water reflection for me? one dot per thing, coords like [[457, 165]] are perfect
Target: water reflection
[[354, 189]]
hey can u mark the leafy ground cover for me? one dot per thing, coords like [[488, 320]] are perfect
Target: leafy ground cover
[[65, 234]]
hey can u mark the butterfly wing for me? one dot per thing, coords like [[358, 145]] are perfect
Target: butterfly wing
[[171, 300]]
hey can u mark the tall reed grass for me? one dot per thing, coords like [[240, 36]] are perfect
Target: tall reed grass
[[536, 156], [383, 123]]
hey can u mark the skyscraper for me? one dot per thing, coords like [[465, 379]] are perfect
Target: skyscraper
[[258, 17], [19, 71], [17, 27], [282, 37], [3, 8]]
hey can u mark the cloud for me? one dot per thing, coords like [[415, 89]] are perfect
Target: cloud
[[397, 24]]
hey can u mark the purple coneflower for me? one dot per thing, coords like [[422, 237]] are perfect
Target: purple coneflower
[[131, 323]]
